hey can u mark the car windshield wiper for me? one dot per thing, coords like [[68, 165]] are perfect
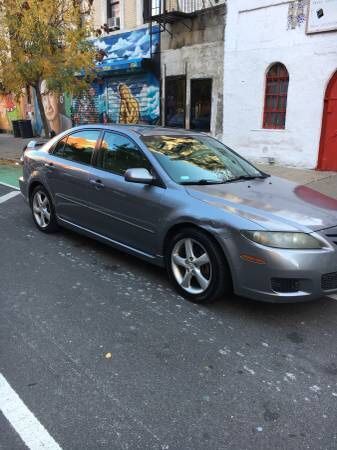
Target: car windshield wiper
[[247, 177], [202, 182], [230, 180]]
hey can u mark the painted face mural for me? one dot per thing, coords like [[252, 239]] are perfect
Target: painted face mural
[[126, 90], [54, 109]]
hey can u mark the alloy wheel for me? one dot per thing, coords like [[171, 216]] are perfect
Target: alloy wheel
[[41, 209], [191, 266]]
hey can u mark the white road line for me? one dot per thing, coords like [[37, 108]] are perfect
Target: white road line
[[333, 296], [9, 185], [33, 434], [8, 196]]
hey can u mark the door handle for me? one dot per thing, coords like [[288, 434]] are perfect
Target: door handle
[[96, 183], [49, 165]]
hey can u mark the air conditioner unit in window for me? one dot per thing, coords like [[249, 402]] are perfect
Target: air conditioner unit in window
[[114, 23]]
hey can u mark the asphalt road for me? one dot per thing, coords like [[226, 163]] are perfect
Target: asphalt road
[[234, 375]]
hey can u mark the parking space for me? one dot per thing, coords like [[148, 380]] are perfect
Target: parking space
[[5, 190], [106, 355]]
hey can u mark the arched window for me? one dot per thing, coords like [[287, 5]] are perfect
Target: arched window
[[275, 103]]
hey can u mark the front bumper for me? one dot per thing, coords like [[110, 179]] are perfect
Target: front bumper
[[305, 267]]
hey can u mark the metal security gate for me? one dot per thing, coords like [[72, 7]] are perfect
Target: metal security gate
[[124, 99]]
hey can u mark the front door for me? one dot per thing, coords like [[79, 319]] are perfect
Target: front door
[[328, 147], [128, 213]]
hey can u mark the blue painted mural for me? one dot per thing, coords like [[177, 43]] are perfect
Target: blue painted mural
[[127, 99], [126, 50], [126, 90]]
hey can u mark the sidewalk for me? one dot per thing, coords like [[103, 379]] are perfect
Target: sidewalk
[[324, 182], [11, 147]]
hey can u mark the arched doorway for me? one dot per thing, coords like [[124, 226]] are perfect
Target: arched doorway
[[328, 146]]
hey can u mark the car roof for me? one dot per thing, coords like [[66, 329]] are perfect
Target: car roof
[[143, 130], [150, 130]]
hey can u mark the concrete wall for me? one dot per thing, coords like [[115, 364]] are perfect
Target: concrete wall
[[131, 13], [197, 53], [257, 35]]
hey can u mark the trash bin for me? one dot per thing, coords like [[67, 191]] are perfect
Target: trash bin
[[25, 127], [16, 129]]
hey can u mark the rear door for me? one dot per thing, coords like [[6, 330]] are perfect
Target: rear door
[[68, 171], [127, 212]]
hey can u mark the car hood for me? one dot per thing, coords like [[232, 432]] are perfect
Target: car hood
[[273, 203]]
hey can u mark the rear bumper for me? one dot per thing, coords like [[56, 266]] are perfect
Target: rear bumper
[[23, 188], [303, 268]]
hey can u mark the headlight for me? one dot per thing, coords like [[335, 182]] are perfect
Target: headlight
[[286, 240]]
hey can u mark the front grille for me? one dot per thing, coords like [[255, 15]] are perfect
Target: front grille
[[285, 285], [329, 281]]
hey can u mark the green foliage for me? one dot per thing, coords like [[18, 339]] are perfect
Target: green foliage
[[44, 40]]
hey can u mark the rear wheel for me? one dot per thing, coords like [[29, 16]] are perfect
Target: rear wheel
[[197, 266], [43, 210]]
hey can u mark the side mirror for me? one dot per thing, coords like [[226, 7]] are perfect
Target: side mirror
[[141, 176]]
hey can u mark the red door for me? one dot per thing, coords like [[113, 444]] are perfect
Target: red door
[[328, 147]]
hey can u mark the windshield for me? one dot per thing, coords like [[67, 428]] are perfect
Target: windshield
[[199, 159]]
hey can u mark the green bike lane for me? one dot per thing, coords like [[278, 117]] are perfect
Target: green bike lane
[[9, 174]]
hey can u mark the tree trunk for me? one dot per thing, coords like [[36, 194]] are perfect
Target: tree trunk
[[41, 108]]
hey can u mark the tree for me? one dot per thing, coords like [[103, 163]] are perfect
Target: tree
[[45, 40]]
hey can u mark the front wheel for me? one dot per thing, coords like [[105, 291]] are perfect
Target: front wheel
[[197, 267]]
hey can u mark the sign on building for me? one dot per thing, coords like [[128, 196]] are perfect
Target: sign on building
[[322, 16]]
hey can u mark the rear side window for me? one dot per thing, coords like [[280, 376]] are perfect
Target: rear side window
[[119, 153], [78, 146]]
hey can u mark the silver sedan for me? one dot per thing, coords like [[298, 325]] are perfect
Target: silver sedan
[[185, 201]]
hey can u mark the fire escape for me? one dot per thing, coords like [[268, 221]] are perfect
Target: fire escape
[[168, 12]]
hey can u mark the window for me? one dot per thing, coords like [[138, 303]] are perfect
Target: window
[[78, 146], [275, 106], [198, 159], [175, 99], [113, 9], [118, 153], [58, 149], [201, 104]]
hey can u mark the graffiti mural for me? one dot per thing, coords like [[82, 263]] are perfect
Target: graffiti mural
[[57, 109], [133, 99], [86, 108], [126, 49], [10, 109], [121, 99], [126, 90]]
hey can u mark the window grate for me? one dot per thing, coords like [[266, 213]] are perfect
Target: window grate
[[275, 106]]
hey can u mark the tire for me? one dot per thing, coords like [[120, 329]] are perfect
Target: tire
[[191, 253], [43, 211]]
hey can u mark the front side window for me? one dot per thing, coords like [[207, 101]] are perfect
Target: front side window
[[118, 154], [275, 105], [201, 104], [199, 159], [78, 146], [58, 149], [175, 100]]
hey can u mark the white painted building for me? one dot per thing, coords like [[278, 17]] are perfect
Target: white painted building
[[260, 33]]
